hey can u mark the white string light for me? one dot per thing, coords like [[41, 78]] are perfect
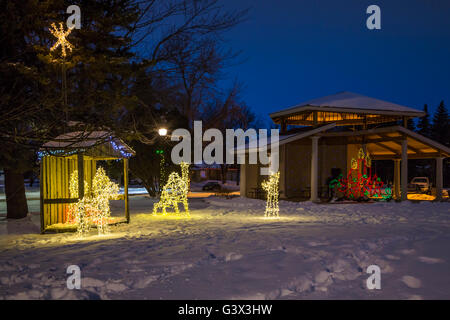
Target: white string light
[[93, 208], [174, 192], [61, 35], [271, 187]]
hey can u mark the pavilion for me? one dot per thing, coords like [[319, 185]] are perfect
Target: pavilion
[[328, 133]]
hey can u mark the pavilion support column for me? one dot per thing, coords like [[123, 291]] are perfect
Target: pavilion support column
[[283, 171], [315, 168], [397, 179], [404, 175], [125, 189], [439, 178], [283, 126], [243, 179]]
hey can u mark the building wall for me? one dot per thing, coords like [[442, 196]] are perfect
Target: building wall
[[332, 154], [250, 178], [55, 182], [295, 166]]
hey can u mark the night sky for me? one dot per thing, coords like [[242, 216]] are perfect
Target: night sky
[[296, 50]]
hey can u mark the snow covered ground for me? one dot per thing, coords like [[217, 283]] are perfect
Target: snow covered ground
[[227, 250]]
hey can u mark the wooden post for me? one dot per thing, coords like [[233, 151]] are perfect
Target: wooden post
[[80, 159], [53, 188], [404, 169], [405, 122], [283, 126], [439, 178], [243, 180], [283, 171], [397, 179], [365, 124], [47, 182], [314, 168], [315, 119], [41, 191], [125, 189]]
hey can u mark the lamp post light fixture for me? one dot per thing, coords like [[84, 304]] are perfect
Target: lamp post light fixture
[[162, 132]]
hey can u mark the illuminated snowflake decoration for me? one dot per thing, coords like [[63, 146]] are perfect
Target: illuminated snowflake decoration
[[271, 188], [61, 35], [93, 208], [175, 192]]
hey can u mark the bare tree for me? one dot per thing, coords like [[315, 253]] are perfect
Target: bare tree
[[117, 41]]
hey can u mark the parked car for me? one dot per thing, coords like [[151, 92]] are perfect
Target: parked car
[[421, 184], [212, 186]]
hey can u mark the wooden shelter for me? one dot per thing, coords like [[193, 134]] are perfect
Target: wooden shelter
[[60, 158]]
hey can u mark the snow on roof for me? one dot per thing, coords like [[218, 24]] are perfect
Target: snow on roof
[[77, 139], [352, 102], [103, 141], [256, 145]]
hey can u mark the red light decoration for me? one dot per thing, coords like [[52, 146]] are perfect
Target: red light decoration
[[360, 184]]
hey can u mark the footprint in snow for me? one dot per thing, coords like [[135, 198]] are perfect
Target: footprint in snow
[[316, 244], [116, 287], [415, 297], [412, 282], [392, 257], [430, 260], [232, 256], [407, 251], [91, 282]]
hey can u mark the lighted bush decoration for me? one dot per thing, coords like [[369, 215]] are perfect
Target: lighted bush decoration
[[360, 183], [271, 188], [174, 192], [73, 192], [93, 208]]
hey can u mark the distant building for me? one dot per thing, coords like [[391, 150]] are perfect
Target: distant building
[[203, 172], [330, 131]]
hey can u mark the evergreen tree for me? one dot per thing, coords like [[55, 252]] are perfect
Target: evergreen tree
[[423, 125], [117, 40], [441, 126], [31, 101], [411, 125]]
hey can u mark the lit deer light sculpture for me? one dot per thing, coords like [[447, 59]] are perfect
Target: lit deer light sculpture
[[174, 192], [271, 187], [93, 208]]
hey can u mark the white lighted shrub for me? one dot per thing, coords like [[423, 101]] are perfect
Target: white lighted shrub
[[93, 208]]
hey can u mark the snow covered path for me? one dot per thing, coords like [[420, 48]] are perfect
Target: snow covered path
[[227, 250]]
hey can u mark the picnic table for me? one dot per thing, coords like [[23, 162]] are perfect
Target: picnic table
[[257, 193]]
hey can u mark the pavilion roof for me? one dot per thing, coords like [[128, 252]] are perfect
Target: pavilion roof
[[96, 144], [345, 102], [383, 143]]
